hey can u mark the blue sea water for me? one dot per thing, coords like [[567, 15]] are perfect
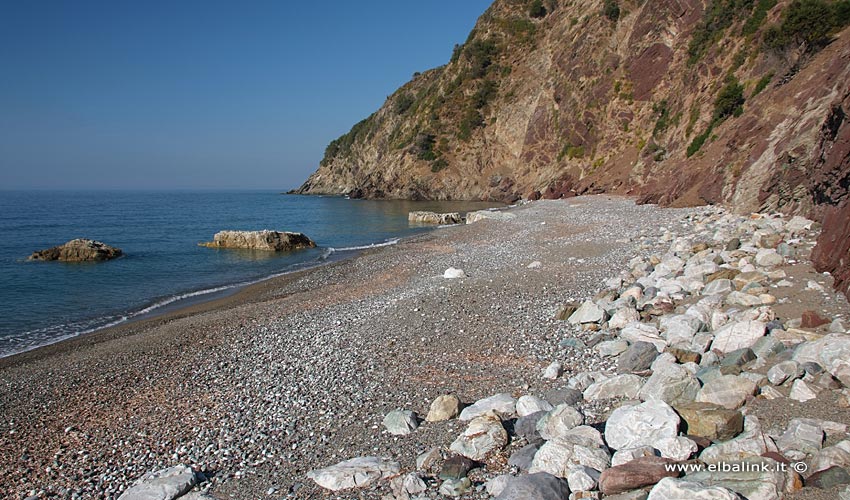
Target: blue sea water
[[163, 266]]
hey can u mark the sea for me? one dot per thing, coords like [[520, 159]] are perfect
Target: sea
[[164, 267]]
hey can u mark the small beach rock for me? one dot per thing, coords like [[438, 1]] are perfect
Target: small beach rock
[[453, 273], [455, 487], [165, 484], [401, 422], [582, 478], [828, 478], [539, 486], [553, 371], [728, 391], [677, 448], [445, 407], [422, 217], [267, 240], [527, 405], [503, 404], [711, 421], [524, 457], [588, 312], [625, 385], [456, 467], [558, 421], [638, 357], [737, 336], [484, 435], [496, 485], [78, 250], [802, 392], [354, 473]]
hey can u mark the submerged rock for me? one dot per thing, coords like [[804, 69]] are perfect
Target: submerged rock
[[274, 241], [79, 250]]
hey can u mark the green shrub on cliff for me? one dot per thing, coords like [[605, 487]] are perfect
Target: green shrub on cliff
[[611, 10], [480, 54], [536, 9], [808, 24], [403, 103], [729, 102], [470, 120]]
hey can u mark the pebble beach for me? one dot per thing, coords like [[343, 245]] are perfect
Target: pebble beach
[[542, 313]]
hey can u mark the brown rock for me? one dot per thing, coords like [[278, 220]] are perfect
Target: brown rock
[[275, 241], [711, 421], [812, 319], [725, 274], [79, 250], [566, 310], [640, 472], [684, 355]]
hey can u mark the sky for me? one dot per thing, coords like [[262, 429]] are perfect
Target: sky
[[201, 94]]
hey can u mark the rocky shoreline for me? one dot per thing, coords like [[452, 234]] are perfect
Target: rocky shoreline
[[658, 357]]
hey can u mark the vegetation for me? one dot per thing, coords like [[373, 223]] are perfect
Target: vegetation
[[470, 120], [456, 52], [729, 102], [439, 164], [480, 54], [662, 111], [341, 146], [519, 28], [808, 24], [425, 147], [762, 84], [719, 15], [403, 103], [611, 10], [757, 18], [570, 151], [484, 94], [536, 9]]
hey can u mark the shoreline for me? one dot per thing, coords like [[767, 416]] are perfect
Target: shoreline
[[239, 294], [257, 389]]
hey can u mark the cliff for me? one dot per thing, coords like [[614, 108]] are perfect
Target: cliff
[[678, 102]]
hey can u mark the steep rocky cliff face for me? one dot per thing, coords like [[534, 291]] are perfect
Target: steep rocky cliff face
[[739, 102]]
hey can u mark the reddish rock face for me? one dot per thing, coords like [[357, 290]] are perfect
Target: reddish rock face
[[832, 253], [812, 319], [644, 471]]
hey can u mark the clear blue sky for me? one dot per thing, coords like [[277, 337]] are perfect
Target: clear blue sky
[[201, 94]]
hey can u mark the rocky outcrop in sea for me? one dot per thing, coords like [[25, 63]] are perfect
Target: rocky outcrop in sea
[[78, 250], [275, 241]]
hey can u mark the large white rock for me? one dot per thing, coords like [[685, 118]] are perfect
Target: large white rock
[[783, 371], [588, 312], [503, 404], [165, 484], [559, 455], [679, 329], [484, 435], [802, 392], [679, 489], [620, 386], [734, 336], [832, 352], [526, 405], [558, 421], [643, 424], [582, 478], [354, 473], [767, 257], [626, 455]]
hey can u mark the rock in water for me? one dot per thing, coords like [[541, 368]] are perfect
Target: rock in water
[[79, 250], [273, 241], [434, 218], [166, 484], [354, 473]]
